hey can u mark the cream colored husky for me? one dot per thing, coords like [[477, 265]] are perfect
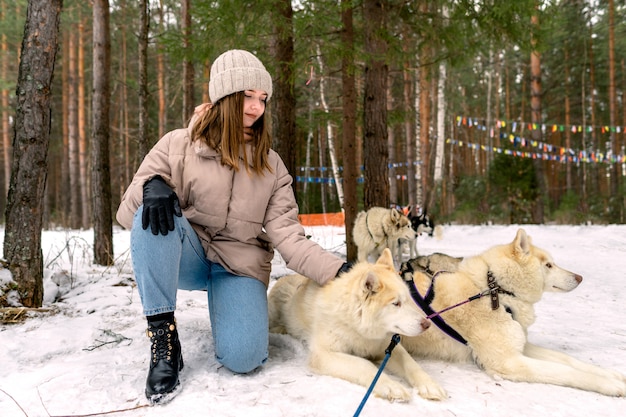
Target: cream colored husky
[[349, 322], [379, 228], [496, 333]]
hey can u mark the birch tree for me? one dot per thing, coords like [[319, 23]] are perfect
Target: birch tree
[[330, 137]]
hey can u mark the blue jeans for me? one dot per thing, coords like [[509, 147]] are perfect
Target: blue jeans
[[237, 304]]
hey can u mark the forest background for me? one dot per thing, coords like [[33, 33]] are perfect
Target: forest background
[[476, 111]]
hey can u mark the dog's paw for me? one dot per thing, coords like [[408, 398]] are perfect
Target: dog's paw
[[614, 388], [431, 390], [392, 391], [619, 375]]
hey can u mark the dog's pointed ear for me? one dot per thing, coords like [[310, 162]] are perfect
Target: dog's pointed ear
[[372, 283], [395, 214], [521, 244], [386, 259]]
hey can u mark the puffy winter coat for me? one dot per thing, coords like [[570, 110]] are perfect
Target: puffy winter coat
[[238, 216]]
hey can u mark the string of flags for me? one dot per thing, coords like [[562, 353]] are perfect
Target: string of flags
[[325, 169], [544, 127], [522, 147], [542, 153], [331, 180], [540, 150]]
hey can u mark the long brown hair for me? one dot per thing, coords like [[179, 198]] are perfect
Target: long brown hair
[[221, 128]]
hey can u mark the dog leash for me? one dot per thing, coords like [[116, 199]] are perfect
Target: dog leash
[[424, 304], [395, 339], [472, 298]]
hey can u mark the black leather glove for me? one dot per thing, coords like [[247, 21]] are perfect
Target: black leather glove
[[344, 268], [160, 204]]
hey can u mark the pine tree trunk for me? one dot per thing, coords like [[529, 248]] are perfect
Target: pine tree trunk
[[4, 103], [409, 135], [375, 154], [24, 214], [83, 157], [142, 139], [189, 102], [391, 151], [535, 115], [143, 145], [284, 99], [593, 182], [568, 123], [424, 103], [100, 169], [350, 160], [74, 195], [617, 203], [161, 74], [63, 188]]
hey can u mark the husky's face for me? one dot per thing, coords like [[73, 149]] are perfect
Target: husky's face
[[400, 226], [556, 279], [398, 312], [422, 224], [386, 302], [531, 271]]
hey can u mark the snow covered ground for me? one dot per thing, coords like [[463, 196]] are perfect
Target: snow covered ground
[[89, 356]]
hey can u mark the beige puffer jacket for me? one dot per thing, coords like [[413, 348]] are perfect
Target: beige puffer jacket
[[239, 217]]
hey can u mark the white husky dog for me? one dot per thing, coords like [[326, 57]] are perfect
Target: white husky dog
[[349, 322], [379, 228], [514, 276]]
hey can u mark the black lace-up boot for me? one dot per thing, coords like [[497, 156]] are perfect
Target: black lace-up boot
[[166, 359]]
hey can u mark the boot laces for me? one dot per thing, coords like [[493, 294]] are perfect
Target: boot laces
[[161, 338]]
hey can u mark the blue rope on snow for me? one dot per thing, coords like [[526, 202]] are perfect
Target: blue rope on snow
[[395, 339]]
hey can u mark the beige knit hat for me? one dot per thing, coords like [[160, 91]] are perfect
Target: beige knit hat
[[238, 70]]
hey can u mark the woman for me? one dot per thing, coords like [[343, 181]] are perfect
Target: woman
[[205, 209]]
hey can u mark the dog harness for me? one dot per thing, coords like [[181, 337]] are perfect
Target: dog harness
[[367, 226], [424, 302]]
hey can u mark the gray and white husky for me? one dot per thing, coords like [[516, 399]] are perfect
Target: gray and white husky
[[379, 228]]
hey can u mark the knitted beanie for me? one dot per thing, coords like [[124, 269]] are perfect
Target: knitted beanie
[[238, 70]]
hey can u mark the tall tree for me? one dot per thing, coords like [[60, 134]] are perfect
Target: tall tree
[[144, 29], [189, 102], [536, 119], [100, 166], [83, 157], [284, 99], [161, 85], [349, 149], [4, 100], [424, 124], [375, 152], [617, 203], [408, 131], [330, 137], [24, 213], [74, 166], [64, 171]]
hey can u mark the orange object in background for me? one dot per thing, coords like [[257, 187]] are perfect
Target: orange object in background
[[322, 219]]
